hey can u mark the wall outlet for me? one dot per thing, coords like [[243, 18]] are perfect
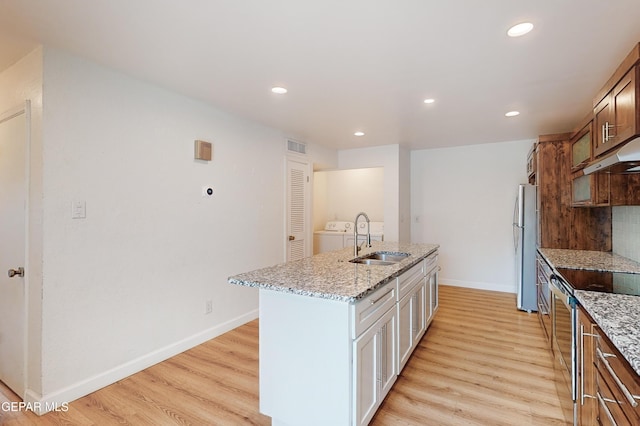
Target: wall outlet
[[209, 307]]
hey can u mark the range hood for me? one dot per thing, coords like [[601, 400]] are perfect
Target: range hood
[[624, 160]]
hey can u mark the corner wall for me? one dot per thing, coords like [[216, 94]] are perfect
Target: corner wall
[[463, 198]]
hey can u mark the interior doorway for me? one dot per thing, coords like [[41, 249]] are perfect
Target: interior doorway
[[14, 142]]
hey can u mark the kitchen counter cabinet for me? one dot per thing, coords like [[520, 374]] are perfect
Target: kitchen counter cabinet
[[586, 335], [618, 316], [330, 354], [607, 324]]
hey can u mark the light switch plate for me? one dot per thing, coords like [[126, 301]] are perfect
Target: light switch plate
[[78, 209]]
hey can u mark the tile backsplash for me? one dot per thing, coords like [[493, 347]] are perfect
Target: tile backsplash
[[626, 231]]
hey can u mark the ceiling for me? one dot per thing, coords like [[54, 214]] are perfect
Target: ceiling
[[352, 65]]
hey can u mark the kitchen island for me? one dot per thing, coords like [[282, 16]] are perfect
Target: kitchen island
[[334, 334]]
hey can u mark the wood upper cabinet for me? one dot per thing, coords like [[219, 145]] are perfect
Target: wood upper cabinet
[[616, 115], [582, 147], [532, 164], [590, 190], [586, 190]]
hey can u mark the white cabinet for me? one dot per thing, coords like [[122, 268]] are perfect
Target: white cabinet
[[411, 321], [329, 362], [374, 365], [417, 304], [432, 297]]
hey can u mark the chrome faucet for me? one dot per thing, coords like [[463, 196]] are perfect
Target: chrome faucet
[[357, 248]]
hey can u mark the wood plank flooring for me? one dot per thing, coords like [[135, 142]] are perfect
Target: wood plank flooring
[[482, 362]]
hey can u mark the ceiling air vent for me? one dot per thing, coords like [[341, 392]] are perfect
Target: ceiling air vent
[[293, 146]]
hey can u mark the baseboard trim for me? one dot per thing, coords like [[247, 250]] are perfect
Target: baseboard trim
[[57, 400], [478, 285]]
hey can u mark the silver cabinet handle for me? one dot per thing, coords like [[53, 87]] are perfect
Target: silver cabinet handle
[[603, 357], [603, 404], [19, 272]]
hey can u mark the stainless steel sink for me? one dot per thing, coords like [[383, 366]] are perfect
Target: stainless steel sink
[[383, 258]]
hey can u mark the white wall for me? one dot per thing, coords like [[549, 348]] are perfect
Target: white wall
[[404, 195], [342, 194], [127, 286], [462, 198], [387, 156]]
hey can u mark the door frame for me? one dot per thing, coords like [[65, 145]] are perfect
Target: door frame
[[7, 115], [304, 160]]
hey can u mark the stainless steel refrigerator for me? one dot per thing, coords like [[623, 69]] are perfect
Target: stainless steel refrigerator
[[524, 239]]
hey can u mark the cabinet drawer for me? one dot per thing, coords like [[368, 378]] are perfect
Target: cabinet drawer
[[370, 309], [623, 383], [609, 411], [409, 279], [430, 263]]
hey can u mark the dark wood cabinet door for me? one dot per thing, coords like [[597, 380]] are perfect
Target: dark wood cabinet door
[[602, 124], [624, 107], [616, 116]]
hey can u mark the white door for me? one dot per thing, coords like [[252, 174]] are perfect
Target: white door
[[297, 209], [13, 196]]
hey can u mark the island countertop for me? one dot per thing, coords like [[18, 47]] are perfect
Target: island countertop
[[331, 276]]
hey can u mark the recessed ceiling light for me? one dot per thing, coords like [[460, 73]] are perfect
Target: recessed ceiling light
[[429, 101], [279, 90], [520, 29], [512, 113], [358, 134]]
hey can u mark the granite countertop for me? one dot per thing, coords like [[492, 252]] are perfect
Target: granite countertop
[[618, 316], [589, 260], [331, 276]]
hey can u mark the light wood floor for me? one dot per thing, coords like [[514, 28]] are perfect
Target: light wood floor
[[482, 362]]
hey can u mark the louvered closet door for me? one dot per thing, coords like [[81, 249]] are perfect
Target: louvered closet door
[[297, 195]]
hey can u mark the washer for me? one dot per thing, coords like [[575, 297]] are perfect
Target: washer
[[332, 236]]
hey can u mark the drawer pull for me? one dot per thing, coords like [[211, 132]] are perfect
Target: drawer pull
[[603, 404], [603, 357], [374, 301]]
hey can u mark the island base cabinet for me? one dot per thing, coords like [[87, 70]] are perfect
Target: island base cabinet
[[412, 312], [332, 362], [432, 296], [374, 366], [305, 357]]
